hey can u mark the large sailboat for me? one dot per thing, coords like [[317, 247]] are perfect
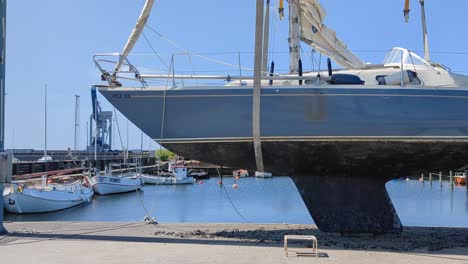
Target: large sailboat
[[339, 134]]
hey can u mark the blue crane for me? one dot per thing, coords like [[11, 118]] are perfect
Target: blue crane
[[101, 133]]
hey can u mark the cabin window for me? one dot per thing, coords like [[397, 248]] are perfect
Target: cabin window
[[410, 78]]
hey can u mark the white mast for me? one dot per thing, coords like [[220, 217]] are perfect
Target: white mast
[[77, 122], [126, 149], [145, 13], [257, 89], [45, 123], [266, 35], [424, 27], [3, 13], [294, 36], [95, 131]]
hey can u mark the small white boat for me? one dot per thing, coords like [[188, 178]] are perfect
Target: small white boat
[[263, 174], [460, 177], [22, 198], [45, 159], [117, 181], [178, 176], [198, 174]]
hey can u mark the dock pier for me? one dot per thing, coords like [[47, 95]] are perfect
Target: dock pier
[[83, 159]]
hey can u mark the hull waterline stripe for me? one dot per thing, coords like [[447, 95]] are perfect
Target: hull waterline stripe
[[415, 139], [301, 95]]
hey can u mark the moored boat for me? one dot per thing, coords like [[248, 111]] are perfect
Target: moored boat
[[240, 173], [178, 176], [263, 174], [198, 174], [460, 178], [24, 197], [117, 179]]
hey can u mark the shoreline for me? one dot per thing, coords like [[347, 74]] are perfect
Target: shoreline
[[229, 243]]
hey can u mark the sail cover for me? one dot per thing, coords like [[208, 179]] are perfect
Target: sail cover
[[140, 25], [322, 38]]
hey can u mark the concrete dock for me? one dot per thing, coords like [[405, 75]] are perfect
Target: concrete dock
[[86, 242]]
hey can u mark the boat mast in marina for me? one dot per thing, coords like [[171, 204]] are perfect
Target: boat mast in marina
[[266, 36], [95, 131], [257, 86], [5, 168], [45, 123], [294, 36], [424, 27], [406, 13], [77, 123]]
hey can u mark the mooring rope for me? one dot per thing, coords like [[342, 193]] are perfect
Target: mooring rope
[[229, 197]]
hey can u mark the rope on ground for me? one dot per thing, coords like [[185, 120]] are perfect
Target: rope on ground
[[147, 219], [229, 198]]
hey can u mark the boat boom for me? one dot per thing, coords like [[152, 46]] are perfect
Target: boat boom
[[140, 25]]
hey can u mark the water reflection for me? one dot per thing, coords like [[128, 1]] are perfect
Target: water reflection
[[273, 200], [424, 205]]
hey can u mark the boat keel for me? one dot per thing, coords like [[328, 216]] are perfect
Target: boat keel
[[348, 204]]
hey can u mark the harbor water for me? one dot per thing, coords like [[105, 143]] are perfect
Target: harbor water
[[274, 200]]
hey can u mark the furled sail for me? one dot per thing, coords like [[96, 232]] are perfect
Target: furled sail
[[145, 13], [322, 38]]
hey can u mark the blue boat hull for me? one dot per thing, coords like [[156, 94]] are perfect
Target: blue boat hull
[[297, 112], [325, 138]]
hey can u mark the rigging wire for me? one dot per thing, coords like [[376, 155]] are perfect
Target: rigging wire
[[187, 52], [155, 52], [118, 128], [148, 219]]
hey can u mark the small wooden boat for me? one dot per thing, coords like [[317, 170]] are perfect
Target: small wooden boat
[[460, 178], [118, 178], [27, 197]]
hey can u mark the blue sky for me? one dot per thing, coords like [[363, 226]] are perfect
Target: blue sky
[[52, 42]]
